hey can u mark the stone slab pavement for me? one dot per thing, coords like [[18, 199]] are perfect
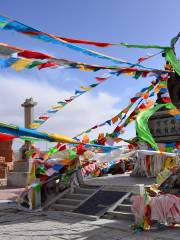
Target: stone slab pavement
[[9, 193], [120, 180], [53, 225]]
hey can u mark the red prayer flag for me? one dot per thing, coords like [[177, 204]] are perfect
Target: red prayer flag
[[31, 54], [6, 137], [101, 79], [44, 118], [48, 64], [97, 44], [166, 100]]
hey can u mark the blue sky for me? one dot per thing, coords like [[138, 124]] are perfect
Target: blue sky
[[142, 22]]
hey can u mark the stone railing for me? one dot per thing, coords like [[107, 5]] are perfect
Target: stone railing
[[50, 190]]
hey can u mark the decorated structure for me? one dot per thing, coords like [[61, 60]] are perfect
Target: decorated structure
[[152, 152], [163, 126]]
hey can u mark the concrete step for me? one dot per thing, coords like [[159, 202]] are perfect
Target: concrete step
[[67, 201], [119, 215], [63, 207], [127, 201], [123, 208], [83, 191], [76, 196], [89, 186]]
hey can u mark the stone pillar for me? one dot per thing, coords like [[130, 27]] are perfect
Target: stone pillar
[[28, 105], [22, 166]]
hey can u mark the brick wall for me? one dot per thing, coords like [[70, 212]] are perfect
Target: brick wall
[[6, 150], [6, 158]]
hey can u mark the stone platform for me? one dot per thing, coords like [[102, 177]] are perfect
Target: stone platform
[[120, 180], [19, 176]]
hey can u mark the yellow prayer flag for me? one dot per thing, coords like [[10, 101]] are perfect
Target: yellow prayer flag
[[34, 125], [129, 73], [84, 68], [57, 107], [21, 64], [32, 175], [85, 88], [62, 138]]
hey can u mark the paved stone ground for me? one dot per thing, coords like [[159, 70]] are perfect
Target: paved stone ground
[[9, 193], [120, 180], [48, 225]]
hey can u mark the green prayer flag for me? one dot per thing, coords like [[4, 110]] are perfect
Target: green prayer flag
[[34, 64], [150, 87], [142, 127], [72, 154], [143, 46], [52, 150], [137, 75]]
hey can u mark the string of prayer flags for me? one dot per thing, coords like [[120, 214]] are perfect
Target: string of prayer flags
[[30, 59], [142, 119], [161, 83], [21, 132], [115, 138], [140, 106], [122, 115], [61, 104], [9, 24]]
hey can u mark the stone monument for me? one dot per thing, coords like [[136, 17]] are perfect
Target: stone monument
[[22, 166], [163, 126]]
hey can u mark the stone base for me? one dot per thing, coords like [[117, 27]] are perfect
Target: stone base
[[17, 179], [3, 182], [22, 166], [19, 176], [164, 127]]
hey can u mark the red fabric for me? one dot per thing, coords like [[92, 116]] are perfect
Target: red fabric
[[134, 99], [62, 148], [44, 118], [48, 64], [70, 40], [80, 149], [6, 137], [68, 100], [145, 73], [101, 79], [98, 44], [141, 59], [166, 100], [178, 145], [117, 129], [142, 106], [30, 54], [127, 70], [132, 114]]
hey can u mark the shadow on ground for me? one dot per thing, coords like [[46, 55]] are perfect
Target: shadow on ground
[[18, 225]]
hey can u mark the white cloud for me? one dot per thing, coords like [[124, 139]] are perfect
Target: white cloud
[[82, 113]]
